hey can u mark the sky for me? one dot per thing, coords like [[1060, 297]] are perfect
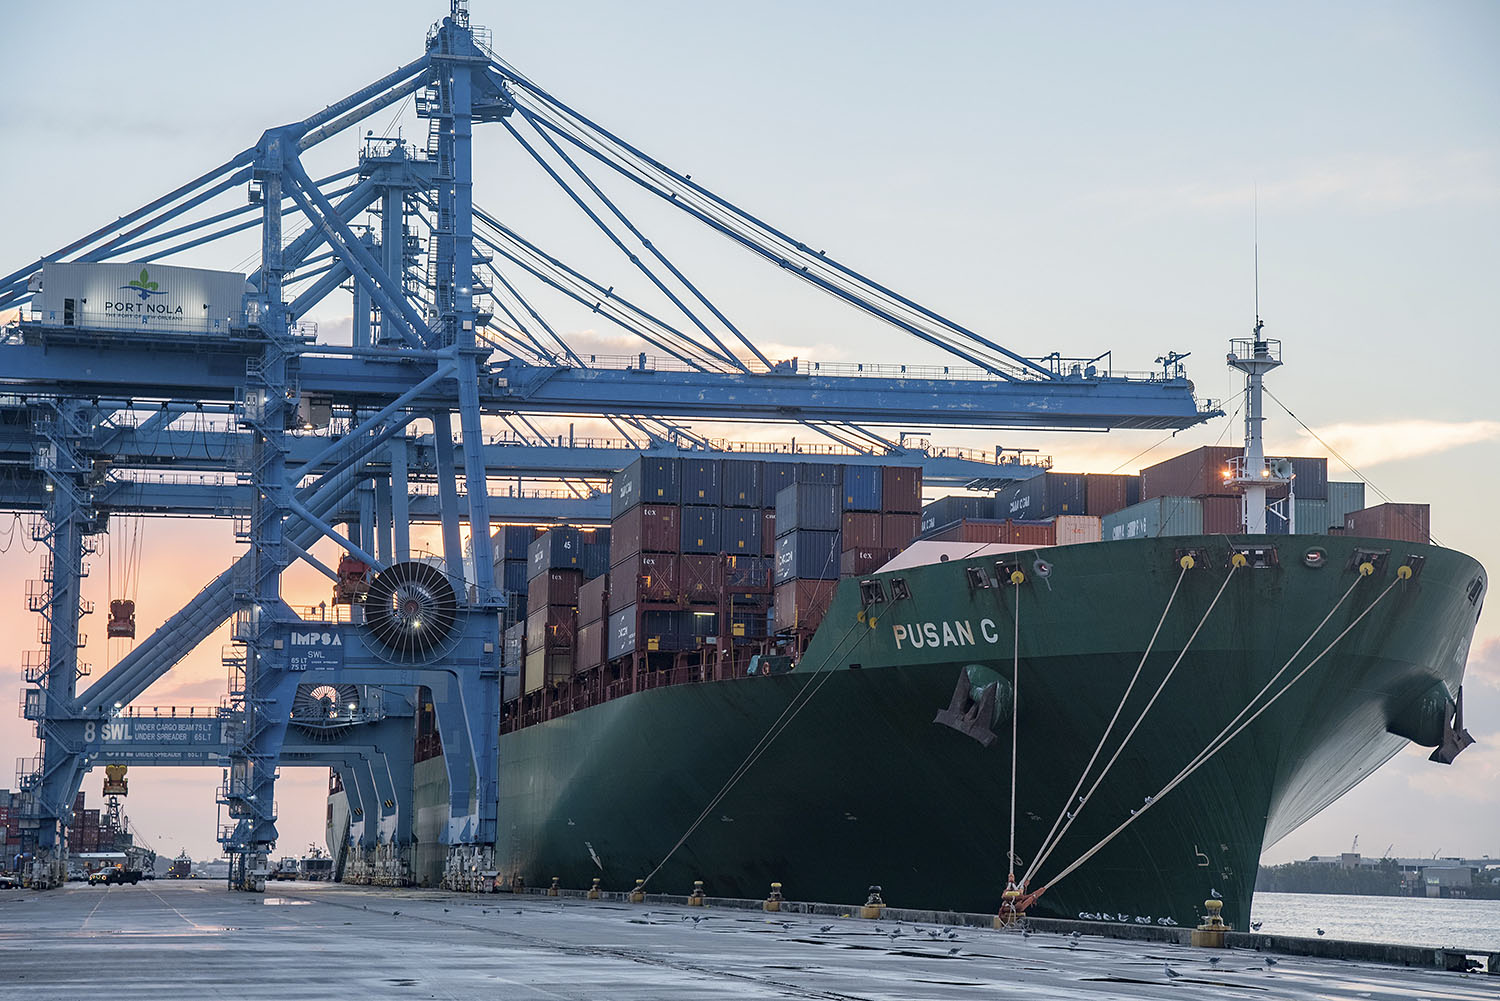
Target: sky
[[1080, 177]]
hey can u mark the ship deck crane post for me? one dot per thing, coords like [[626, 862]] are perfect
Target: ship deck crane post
[[426, 350]]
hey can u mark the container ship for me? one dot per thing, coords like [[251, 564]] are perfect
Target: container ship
[[1105, 694]]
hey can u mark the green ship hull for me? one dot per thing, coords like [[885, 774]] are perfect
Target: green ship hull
[[863, 785]]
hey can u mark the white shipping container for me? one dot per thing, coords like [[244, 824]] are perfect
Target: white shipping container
[[155, 297], [1073, 529]]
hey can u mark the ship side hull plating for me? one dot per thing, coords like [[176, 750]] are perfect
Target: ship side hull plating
[[859, 785]]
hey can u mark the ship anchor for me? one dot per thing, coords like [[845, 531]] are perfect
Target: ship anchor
[[975, 708]]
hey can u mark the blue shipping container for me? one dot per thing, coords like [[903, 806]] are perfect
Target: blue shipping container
[[740, 530], [1311, 481], [700, 481], [741, 483], [510, 542], [648, 480], [808, 506], [595, 562], [774, 478], [1041, 497], [958, 507], [862, 487], [807, 555], [556, 549], [700, 529], [820, 472], [514, 574]]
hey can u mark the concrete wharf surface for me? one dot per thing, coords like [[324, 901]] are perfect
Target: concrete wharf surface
[[168, 940]]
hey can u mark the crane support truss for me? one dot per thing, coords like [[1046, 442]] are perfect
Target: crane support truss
[[442, 329]]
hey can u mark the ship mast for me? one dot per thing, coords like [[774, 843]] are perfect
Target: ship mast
[[1255, 357]]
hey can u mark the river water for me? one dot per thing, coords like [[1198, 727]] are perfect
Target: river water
[[1466, 924]]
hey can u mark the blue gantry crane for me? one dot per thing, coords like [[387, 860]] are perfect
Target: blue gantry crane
[[131, 385]]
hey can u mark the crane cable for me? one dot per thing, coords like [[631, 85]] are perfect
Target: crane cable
[[794, 707], [1219, 742], [1235, 563], [1061, 814]]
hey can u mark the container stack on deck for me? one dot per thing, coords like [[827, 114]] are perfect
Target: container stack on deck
[[559, 562], [1188, 494], [689, 566], [837, 521], [1044, 510]]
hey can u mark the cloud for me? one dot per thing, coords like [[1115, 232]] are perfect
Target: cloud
[[1370, 445], [1484, 664]]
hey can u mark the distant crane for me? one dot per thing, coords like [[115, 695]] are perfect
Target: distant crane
[[1388, 850], [1355, 846]]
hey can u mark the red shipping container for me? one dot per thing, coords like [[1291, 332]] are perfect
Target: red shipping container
[[551, 627], [858, 562], [645, 528], [553, 587], [901, 490], [801, 604], [698, 577], [861, 529], [1400, 522], [590, 652], [1033, 533], [897, 530], [644, 577], [1223, 515], [980, 530], [591, 600], [1199, 473], [1106, 493], [768, 532]]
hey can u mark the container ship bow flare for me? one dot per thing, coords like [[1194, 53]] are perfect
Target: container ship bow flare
[[893, 765]]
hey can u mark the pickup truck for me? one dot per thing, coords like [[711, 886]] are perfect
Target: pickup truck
[[115, 875]]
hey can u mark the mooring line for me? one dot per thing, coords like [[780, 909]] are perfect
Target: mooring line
[[1104, 737], [1217, 744], [1078, 807], [781, 723]]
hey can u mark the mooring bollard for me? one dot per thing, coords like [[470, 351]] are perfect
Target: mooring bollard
[[555, 890], [873, 905], [696, 898], [773, 902], [1210, 934], [594, 890], [638, 895]]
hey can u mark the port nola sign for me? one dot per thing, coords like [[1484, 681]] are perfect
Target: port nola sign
[[156, 297]]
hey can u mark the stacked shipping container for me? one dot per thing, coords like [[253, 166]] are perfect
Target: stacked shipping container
[[833, 522]]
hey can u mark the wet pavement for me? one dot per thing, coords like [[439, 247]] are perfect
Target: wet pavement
[[169, 940]]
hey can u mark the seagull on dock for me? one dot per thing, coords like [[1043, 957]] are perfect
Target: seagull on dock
[[953, 951], [1270, 962], [1255, 925], [826, 928], [1215, 960], [1171, 973], [1077, 934], [1215, 894], [1321, 933]]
